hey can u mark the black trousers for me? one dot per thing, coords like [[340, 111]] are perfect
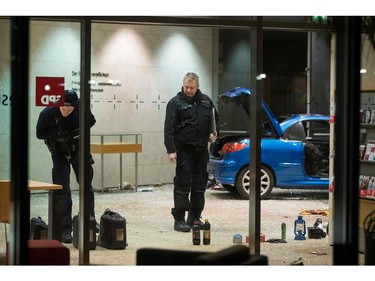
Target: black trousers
[[61, 175], [190, 179]]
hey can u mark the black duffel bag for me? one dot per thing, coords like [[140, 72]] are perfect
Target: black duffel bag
[[38, 229]]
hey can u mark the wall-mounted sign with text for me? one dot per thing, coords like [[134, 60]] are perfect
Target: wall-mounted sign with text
[[49, 90]]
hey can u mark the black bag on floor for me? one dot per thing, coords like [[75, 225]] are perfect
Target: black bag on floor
[[38, 229], [92, 233], [112, 234]]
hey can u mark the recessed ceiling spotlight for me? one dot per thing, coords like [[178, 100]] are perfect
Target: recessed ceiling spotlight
[[261, 76]]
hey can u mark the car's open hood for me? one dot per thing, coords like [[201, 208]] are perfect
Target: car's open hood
[[241, 96]]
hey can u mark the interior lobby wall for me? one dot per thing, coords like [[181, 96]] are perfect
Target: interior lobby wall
[[5, 99], [135, 70]]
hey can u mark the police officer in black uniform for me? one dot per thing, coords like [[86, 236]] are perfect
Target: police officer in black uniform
[[188, 128], [58, 126]]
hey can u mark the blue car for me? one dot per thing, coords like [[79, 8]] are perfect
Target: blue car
[[294, 150]]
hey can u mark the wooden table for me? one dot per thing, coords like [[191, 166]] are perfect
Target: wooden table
[[38, 185], [54, 208], [109, 147]]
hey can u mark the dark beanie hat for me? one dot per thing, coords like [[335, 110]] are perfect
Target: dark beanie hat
[[70, 98]]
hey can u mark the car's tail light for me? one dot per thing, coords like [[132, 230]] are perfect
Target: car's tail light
[[232, 147]]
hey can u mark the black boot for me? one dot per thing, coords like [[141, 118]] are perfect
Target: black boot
[[97, 227], [66, 238], [194, 215], [181, 226], [179, 221]]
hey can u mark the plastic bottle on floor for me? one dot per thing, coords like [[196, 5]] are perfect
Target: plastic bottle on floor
[[206, 232], [283, 231], [196, 233]]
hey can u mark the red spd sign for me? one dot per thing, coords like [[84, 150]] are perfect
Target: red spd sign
[[49, 90]]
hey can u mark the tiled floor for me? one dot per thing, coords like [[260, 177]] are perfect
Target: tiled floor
[[150, 224]]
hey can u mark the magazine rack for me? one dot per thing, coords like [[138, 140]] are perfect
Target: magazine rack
[[366, 169]]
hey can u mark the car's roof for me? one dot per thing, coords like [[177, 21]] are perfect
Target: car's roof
[[290, 120]]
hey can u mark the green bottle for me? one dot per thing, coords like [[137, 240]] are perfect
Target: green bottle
[[283, 231]]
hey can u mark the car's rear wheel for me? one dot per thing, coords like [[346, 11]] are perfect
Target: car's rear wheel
[[266, 182]]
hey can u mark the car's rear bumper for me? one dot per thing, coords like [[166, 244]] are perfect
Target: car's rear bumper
[[223, 171]]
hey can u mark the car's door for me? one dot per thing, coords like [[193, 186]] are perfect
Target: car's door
[[313, 137], [285, 155]]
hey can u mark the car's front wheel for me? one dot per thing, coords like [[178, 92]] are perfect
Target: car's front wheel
[[266, 182]]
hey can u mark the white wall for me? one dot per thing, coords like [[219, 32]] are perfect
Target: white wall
[[146, 63]]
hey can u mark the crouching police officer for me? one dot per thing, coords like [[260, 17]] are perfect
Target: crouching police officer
[[58, 126]]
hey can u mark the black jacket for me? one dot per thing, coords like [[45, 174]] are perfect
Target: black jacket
[[188, 121], [54, 128]]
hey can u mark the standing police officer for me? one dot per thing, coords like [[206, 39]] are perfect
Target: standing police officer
[[187, 131], [58, 126]]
